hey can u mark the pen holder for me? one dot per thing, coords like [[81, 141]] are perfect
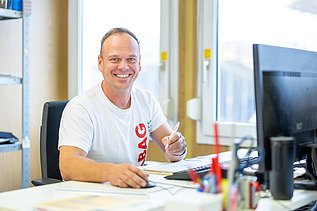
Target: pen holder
[[248, 192]]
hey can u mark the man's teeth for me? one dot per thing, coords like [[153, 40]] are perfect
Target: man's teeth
[[122, 76]]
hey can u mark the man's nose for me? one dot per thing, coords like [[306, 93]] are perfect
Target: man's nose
[[123, 65]]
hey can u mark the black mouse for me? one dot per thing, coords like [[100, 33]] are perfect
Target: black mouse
[[149, 184]]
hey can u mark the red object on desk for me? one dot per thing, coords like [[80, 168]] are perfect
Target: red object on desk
[[215, 160], [194, 176], [217, 139]]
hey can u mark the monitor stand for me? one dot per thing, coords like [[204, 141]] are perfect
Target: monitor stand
[[309, 180]]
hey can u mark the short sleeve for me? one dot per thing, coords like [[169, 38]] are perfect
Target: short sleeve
[[76, 128]]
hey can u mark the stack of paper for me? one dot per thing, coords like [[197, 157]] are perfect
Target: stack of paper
[[183, 165], [93, 202]]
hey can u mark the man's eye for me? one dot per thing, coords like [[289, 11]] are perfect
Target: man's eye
[[114, 59], [132, 60]]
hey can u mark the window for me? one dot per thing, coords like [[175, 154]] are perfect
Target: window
[[153, 22], [142, 17], [227, 86]]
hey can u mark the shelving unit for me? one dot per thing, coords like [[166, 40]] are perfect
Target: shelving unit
[[24, 144]]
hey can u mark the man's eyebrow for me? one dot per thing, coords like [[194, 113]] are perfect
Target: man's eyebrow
[[128, 57], [114, 55], [117, 56], [133, 55]]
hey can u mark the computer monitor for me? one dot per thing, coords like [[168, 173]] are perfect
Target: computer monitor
[[286, 100]]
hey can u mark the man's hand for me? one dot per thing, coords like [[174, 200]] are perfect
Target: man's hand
[[74, 165], [176, 145], [127, 175]]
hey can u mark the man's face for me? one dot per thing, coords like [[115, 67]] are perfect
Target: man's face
[[120, 61]]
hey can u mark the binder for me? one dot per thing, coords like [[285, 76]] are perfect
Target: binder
[[7, 138]]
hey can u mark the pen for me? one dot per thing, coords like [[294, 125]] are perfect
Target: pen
[[217, 139], [215, 161], [174, 131], [194, 176]]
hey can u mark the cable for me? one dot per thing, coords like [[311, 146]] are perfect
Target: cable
[[168, 188]]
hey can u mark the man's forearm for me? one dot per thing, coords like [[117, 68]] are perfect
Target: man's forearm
[[84, 169]]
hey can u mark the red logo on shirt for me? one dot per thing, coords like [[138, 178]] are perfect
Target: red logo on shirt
[[140, 131]]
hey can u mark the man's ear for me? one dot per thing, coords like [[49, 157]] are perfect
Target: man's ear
[[140, 64], [100, 62]]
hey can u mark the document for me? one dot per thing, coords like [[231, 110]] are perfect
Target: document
[[103, 188], [169, 168], [96, 202], [176, 184]]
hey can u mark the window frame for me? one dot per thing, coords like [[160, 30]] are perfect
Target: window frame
[[75, 46], [208, 82], [169, 66]]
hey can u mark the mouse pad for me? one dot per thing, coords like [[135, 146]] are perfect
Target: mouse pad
[[106, 187]]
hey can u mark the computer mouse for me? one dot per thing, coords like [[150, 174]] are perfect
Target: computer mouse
[[149, 184]]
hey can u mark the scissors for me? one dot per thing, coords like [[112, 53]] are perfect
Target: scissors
[[247, 160]]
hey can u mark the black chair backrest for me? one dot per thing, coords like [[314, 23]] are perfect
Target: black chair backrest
[[52, 113]]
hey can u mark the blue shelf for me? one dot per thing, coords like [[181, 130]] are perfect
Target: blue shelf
[[10, 147], [9, 79]]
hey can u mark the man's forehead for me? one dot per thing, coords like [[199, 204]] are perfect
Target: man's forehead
[[119, 38], [121, 43]]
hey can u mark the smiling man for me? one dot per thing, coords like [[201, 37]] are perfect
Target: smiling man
[[105, 131]]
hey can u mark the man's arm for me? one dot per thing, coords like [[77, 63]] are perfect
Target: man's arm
[[74, 165], [176, 149]]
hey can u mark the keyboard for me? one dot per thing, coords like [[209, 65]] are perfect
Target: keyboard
[[183, 175], [204, 169]]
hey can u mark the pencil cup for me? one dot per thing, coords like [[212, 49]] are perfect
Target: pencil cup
[[281, 176], [248, 197]]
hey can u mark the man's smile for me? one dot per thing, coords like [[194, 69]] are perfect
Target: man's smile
[[122, 76]]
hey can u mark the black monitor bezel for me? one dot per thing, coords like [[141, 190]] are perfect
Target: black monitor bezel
[[270, 58]]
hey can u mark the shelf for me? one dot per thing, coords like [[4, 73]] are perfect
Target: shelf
[[9, 79], [10, 147], [9, 14]]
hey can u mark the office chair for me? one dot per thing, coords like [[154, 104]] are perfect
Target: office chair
[[51, 116]]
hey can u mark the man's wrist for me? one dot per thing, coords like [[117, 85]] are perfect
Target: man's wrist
[[180, 154]]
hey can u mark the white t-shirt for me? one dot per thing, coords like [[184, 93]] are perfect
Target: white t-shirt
[[107, 133]]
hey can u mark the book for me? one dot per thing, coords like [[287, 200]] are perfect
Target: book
[[9, 4], [7, 138], [3, 3], [17, 5], [95, 202]]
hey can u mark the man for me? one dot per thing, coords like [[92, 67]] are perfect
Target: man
[[105, 131]]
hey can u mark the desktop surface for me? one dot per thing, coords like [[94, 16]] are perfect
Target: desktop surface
[[150, 198], [154, 198], [27, 199]]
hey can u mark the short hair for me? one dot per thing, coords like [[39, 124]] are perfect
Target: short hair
[[117, 31]]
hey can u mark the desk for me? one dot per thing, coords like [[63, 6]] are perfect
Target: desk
[[26, 199], [300, 199], [153, 198]]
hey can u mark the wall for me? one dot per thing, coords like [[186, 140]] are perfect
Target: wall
[[48, 80]]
